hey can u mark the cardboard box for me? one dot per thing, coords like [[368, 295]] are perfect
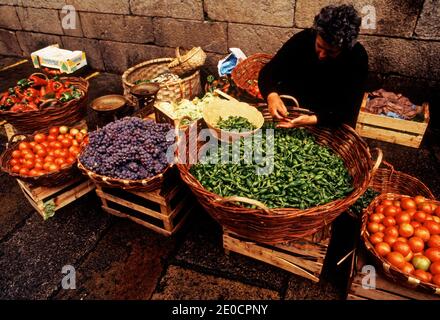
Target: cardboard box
[[56, 58]]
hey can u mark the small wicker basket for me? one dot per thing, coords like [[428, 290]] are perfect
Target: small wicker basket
[[57, 114], [390, 271], [189, 62], [186, 88], [245, 74], [51, 179]]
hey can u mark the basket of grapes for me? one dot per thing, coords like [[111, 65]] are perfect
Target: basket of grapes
[[130, 153]]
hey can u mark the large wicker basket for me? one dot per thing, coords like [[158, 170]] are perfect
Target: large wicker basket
[[186, 88], [191, 61], [245, 74], [273, 226], [52, 179], [68, 113], [390, 271]]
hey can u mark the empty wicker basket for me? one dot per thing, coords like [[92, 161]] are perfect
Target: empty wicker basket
[[189, 62]]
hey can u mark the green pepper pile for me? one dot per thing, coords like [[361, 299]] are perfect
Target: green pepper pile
[[233, 123], [305, 174]]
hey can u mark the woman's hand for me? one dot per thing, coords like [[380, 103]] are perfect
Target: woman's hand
[[301, 121], [276, 106]]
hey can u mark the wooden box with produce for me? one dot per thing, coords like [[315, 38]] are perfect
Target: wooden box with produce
[[303, 257], [39, 102], [61, 186], [400, 131]]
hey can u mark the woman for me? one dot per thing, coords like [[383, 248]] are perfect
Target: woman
[[325, 68]]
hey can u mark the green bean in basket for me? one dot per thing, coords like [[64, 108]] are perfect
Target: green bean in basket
[[233, 123], [305, 174]]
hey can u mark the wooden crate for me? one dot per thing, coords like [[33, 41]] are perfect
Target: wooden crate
[[385, 288], [304, 257], [163, 210], [47, 201], [403, 132]]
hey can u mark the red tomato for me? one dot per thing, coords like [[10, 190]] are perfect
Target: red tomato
[[51, 138], [396, 259], [437, 211], [28, 164], [387, 202], [406, 230], [60, 161], [60, 137], [54, 167], [425, 207], [47, 165], [32, 145], [373, 227], [422, 275], [422, 233], [77, 144], [42, 153], [14, 162], [402, 247], [416, 244], [40, 138], [390, 240], [403, 217], [408, 268], [73, 132], [66, 143], [54, 131], [16, 154], [392, 231], [16, 169], [79, 137], [71, 160], [24, 172], [436, 280], [57, 145], [420, 216], [34, 173], [433, 227], [376, 238], [434, 241], [402, 239], [419, 199], [24, 145], [389, 221], [390, 211], [409, 257], [64, 153], [49, 159], [74, 151], [29, 156], [408, 203], [382, 249], [433, 254], [38, 166]]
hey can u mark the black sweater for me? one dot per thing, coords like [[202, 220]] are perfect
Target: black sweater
[[333, 89]]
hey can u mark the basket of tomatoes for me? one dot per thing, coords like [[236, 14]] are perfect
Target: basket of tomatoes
[[44, 158], [38, 102], [402, 233]]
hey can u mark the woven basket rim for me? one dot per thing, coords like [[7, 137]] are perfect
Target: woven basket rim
[[56, 107], [153, 61], [186, 57], [370, 247]]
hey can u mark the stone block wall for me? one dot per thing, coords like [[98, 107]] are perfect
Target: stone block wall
[[404, 46]]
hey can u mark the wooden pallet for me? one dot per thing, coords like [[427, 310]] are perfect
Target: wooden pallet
[[385, 288], [163, 210], [47, 201], [403, 132], [304, 257]]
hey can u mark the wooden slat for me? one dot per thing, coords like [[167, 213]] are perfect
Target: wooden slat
[[392, 123], [73, 194], [130, 205], [33, 204], [152, 196], [43, 193], [389, 136], [354, 297], [373, 294], [307, 249], [179, 207], [139, 221], [279, 259], [182, 220]]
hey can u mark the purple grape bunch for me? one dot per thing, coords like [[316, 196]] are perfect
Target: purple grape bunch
[[130, 148]]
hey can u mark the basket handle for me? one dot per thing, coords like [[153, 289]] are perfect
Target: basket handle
[[378, 161], [40, 74], [297, 107], [224, 95], [245, 200], [179, 57]]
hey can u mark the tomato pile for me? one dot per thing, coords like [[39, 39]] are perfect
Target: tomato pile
[[47, 153], [254, 89], [406, 233], [36, 92]]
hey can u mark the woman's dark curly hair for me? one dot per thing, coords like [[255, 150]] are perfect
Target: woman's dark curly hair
[[338, 25]]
